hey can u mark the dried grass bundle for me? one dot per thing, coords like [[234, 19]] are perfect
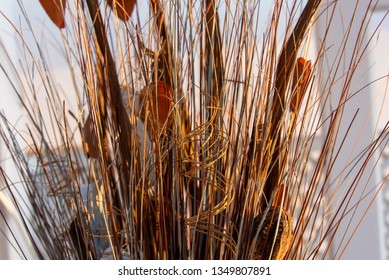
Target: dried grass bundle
[[196, 131]]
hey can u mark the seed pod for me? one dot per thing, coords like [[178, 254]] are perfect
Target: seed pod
[[275, 235]]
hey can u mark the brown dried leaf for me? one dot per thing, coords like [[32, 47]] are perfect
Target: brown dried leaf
[[123, 8], [160, 105], [55, 9], [91, 143]]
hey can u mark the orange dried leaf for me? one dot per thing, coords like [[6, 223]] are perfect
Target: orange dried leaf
[[123, 8], [302, 72], [55, 9], [161, 105]]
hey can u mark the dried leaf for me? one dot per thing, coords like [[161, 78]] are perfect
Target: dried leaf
[[55, 9], [123, 8], [302, 72], [91, 143], [160, 106]]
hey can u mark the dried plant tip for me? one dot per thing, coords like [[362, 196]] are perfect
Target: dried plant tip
[[55, 9], [123, 8], [301, 74], [275, 236], [280, 196]]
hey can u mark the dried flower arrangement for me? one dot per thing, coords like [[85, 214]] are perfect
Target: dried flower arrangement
[[196, 131]]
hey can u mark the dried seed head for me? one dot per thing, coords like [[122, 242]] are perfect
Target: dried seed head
[[275, 234]]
